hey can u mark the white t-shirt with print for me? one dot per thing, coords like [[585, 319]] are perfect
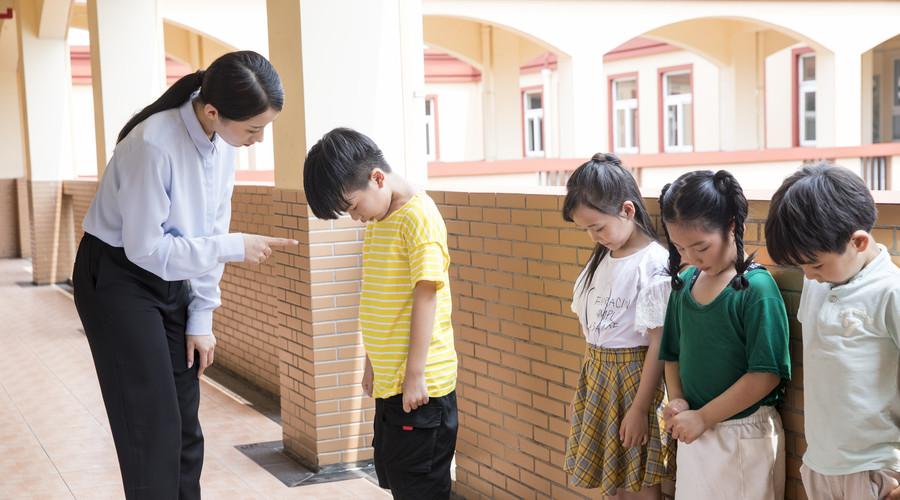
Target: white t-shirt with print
[[626, 297]]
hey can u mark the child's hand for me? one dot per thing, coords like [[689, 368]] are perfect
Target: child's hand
[[687, 426], [674, 407], [894, 494], [415, 392], [633, 431], [367, 378]]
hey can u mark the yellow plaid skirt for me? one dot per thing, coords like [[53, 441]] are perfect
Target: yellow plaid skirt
[[595, 456]]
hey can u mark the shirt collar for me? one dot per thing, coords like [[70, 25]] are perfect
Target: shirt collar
[[873, 268], [204, 145]]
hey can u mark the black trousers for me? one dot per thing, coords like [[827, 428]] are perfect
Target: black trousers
[[413, 451], [135, 324]]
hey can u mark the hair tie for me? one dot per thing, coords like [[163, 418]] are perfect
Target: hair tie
[[740, 282], [606, 158]]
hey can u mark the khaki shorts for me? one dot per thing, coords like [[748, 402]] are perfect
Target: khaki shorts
[[865, 485], [739, 459]]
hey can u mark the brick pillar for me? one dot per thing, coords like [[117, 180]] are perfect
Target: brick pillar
[[52, 235], [9, 219], [24, 218], [326, 419]]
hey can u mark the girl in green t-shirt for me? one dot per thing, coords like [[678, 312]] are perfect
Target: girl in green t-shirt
[[725, 346]]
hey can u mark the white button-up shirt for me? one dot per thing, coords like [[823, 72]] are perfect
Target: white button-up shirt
[[165, 198]]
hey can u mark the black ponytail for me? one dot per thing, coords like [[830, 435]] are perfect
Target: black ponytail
[[717, 201], [603, 184], [239, 85], [674, 255]]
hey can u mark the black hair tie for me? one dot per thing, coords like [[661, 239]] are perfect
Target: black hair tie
[[740, 282]]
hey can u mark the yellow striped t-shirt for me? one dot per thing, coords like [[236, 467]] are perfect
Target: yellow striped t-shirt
[[406, 247]]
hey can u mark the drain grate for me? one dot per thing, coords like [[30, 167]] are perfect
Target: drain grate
[[271, 457]]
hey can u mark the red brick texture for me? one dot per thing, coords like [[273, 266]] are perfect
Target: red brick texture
[[290, 326], [52, 236], [514, 262]]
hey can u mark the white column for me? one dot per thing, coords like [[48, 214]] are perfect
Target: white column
[[44, 82], [488, 112], [549, 103], [866, 115], [412, 74], [11, 154], [740, 99], [839, 98], [367, 74], [127, 65], [507, 95], [582, 106], [45, 78], [289, 135]]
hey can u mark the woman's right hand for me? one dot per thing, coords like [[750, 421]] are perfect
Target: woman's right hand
[[258, 248]]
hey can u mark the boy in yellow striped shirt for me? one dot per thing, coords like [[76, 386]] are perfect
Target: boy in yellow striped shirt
[[404, 310]]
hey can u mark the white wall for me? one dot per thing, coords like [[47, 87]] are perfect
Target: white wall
[[84, 148], [705, 98], [750, 175], [12, 161], [779, 125], [459, 120]]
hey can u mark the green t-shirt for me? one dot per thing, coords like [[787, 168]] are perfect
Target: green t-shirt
[[739, 332]]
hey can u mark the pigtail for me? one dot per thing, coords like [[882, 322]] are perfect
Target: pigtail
[[674, 256], [729, 187]]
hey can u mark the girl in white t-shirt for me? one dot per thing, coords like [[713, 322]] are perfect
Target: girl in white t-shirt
[[617, 442]]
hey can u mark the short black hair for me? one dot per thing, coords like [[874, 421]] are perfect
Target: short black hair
[[341, 162], [816, 210]]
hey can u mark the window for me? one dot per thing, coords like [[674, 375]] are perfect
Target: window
[[431, 148], [806, 99], [678, 126], [534, 123], [895, 101], [624, 120], [876, 108]]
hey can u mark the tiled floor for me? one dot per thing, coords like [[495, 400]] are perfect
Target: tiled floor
[[54, 436]]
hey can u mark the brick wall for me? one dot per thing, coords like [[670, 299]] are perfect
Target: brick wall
[[246, 327], [81, 194], [9, 219], [24, 218], [290, 327], [514, 262]]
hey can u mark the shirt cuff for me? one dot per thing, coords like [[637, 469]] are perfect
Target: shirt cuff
[[199, 323], [231, 247]]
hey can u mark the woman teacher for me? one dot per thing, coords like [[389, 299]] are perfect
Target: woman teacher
[[147, 271]]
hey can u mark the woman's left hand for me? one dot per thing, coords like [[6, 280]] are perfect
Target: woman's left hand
[[205, 346]]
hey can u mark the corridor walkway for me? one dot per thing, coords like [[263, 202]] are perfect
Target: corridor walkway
[[54, 437]]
